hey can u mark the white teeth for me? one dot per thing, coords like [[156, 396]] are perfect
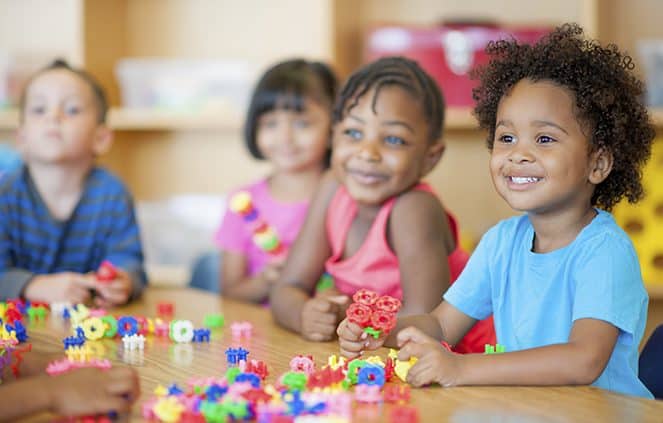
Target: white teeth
[[524, 180]]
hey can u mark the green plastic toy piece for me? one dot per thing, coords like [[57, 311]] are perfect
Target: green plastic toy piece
[[295, 381], [231, 374], [112, 325], [213, 412], [496, 349], [375, 333], [353, 370], [326, 282], [214, 321]]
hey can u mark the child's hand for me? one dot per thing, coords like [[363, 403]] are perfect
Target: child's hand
[[93, 391], [320, 315], [435, 364], [115, 292], [353, 340], [60, 287]]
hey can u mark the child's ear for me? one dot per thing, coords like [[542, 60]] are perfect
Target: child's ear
[[601, 162], [433, 155], [103, 139]]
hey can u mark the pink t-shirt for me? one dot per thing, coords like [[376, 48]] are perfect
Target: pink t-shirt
[[374, 266], [286, 218]]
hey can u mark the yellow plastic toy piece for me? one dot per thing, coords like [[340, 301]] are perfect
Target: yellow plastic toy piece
[[168, 409], [160, 391], [93, 328], [241, 202], [335, 362], [401, 368]]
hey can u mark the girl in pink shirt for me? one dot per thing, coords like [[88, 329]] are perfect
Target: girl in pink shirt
[[372, 223], [288, 124]]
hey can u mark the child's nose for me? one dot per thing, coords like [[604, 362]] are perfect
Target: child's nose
[[521, 153], [370, 151], [55, 114]]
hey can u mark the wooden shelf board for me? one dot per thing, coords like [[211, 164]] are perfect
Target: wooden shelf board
[[123, 119]]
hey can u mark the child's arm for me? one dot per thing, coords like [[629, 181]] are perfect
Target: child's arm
[[421, 238], [290, 300], [236, 283], [580, 361], [77, 393]]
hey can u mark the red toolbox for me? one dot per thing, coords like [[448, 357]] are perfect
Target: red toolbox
[[447, 52]]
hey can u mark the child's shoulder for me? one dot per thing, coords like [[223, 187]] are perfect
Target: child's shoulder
[[101, 180], [12, 180], [604, 232], [418, 205]]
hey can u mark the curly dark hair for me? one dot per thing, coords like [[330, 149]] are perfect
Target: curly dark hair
[[608, 99], [399, 71]]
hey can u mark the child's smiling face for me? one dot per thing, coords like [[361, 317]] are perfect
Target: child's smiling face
[[541, 160], [381, 147]]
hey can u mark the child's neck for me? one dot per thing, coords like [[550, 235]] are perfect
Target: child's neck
[[60, 187], [294, 186], [557, 231]]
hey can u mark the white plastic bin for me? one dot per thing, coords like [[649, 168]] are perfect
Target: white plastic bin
[[183, 84]]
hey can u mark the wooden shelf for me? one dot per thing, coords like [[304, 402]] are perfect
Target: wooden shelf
[[122, 119], [158, 120], [655, 291]]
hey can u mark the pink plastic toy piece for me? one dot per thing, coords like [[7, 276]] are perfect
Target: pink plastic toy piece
[[404, 414], [302, 363], [63, 366], [241, 329], [368, 393], [397, 393]]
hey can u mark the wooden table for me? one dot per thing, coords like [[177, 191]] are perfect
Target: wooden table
[[164, 362]]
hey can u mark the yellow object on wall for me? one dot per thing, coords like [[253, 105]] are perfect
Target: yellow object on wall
[[644, 221]]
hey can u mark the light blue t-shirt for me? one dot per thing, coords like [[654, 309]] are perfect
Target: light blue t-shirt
[[535, 298]]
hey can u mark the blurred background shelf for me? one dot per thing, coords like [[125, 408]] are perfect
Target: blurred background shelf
[[123, 119], [655, 291]]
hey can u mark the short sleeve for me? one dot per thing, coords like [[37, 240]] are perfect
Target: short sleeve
[[231, 234], [609, 286], [471, 293]]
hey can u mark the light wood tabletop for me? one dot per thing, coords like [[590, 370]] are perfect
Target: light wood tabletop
[[164, 362]]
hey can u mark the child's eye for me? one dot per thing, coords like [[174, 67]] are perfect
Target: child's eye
[[72, 110], [393, 140], [506, 139], [37, 110], [544, 139], [268, 123], [352, 133], [302, 123]]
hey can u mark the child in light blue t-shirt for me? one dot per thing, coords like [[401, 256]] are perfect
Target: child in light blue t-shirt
[[568, 135]]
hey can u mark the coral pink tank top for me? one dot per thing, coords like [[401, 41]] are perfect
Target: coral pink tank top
[[375, 266]]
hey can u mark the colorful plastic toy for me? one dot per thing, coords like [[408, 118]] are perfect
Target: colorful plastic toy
[[494, 349], [376, 314], [264, 235], [106, 272]]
